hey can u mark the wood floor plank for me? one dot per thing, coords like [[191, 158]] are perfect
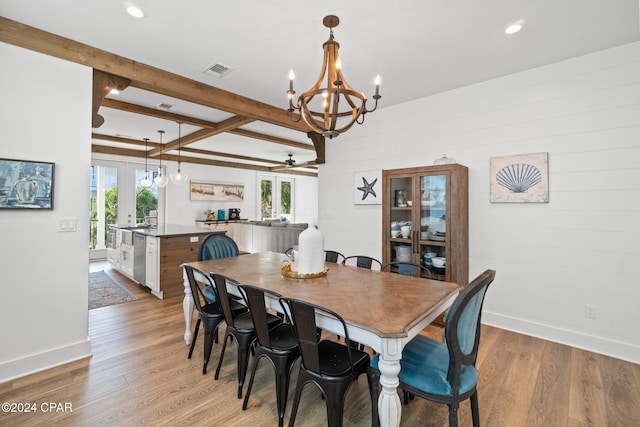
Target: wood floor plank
[[139, 375], [587, 404]]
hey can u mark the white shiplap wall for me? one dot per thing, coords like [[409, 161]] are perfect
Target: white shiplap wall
[[551, 259]]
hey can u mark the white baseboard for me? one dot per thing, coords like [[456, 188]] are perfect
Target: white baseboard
[[597, 344], [31, 364]]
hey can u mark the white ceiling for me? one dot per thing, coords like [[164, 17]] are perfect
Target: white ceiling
[[419, 47]]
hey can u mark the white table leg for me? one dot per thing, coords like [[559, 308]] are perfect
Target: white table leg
[[389, 407], [187, 307]]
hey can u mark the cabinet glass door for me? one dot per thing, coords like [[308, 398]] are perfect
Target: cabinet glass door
[[403, 243], [433, 213]]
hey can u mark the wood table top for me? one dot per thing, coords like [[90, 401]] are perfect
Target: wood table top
[[387, 304]]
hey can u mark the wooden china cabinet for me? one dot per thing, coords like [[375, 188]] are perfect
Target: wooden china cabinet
[[433, 201]]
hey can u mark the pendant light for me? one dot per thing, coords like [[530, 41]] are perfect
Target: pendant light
[[178, 177], [146, 181], [161, 180]]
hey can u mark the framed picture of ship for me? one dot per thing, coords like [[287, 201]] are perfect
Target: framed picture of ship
[[216, 191], [26, 184]]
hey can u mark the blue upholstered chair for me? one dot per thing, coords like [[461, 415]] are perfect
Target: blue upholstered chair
[[407, 269], [445, 372], [216, 246]]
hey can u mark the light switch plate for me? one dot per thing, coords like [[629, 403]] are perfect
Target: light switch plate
[[194, 239], [67, 224]]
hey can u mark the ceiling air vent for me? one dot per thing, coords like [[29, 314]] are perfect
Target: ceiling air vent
[[218, 70], [164, 106]]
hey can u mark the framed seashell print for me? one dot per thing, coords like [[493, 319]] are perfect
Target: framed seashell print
[[521, 178]]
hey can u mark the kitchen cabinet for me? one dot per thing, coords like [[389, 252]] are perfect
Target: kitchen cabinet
[[167, 246], [433, 202], [151, 265], [126, 259]]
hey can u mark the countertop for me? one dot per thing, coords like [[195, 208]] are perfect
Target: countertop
[[217, 221], [169, 230]]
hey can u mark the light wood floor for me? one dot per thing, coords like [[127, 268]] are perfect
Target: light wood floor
[[140, 375]]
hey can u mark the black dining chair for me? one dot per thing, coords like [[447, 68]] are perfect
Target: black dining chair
[[333, 256], [240, 329], [407, 269], [331, 366], [363, 261], [209, 312], [445, 372], [277, 344]]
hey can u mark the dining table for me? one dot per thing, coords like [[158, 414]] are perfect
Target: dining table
[[382, 310]]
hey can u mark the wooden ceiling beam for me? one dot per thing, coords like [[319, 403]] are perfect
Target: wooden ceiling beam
[[152, 112], [154, 145], [101, 149], [143, 76], [223, 126], [103, 83]]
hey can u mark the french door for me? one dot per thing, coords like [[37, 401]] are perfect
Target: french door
[[276, 198]]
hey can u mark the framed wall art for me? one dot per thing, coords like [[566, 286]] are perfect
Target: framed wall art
[[218, 191], [26, 184], [367, 187], [521, 178]]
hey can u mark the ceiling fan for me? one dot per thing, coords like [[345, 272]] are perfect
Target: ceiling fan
[[291, 163]]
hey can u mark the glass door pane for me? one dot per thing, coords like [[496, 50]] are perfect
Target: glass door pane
[[266, 199], [402, 242], [104, 204], [433, 213], [146, 198]]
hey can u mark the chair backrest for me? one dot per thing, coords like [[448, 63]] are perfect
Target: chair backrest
[[255, 299], [303, 316], [407, 269], [333, 256], [223, 296], [217, 246], [196, 278], [462, 325], [363, 261]]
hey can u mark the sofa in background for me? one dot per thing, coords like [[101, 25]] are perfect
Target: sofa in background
[[259, 236]]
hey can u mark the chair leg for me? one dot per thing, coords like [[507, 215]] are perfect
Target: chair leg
[[296, 399], [283, 367], [475, 413], [195, 337], [253, 374], [335, 403], [374, 380], [453, 415], [224, 346], [244, 347]]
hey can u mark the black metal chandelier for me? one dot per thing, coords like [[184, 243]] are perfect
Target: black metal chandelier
[[321, 107]]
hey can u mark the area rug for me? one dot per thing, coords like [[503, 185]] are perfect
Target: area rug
[[103, 291]]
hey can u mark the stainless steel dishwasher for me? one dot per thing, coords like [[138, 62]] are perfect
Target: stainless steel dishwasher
[[139, 258]]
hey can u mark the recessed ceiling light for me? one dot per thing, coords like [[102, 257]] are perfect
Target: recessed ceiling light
[[514, 27], [134, 10]]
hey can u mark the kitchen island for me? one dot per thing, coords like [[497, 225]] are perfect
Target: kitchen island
[[152, 256]]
